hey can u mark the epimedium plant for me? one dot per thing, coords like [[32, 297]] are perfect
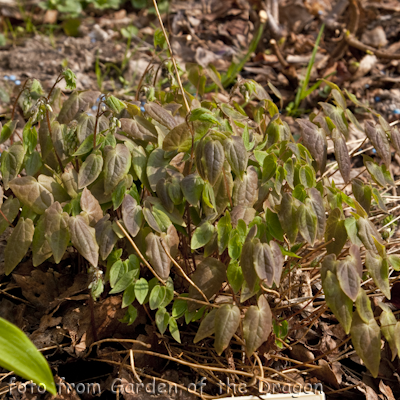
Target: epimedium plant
[[202, 216]]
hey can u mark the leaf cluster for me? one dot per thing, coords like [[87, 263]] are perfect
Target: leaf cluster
[[223, 198]]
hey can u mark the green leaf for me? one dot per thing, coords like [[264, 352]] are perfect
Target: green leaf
[[33, 163], [287, 217], [117, 270], [335, 229], [29, 137], [366, 339], [227, 319], [11, 163], [116, 165], [115, 104], [132, 215], [129, 296], [192, 188], [118, 194], [388, 326], [157, 296], [7, 130], [10, 208], [87, 145], [235, 275], [156, 167], [41, 249], [57, 232], [337, 300], [257, 325], [19, 354], [362, 193], [83, 238], [162, 319], [367, 232], [394, 261], [141, 290], [247, 264], [70, 79], [308, 223], [179, 308], [90, 170], [213, 160], [378, 269], [124, 281], [234, 244], [178, 138], [174, 330], [18, 244], [202, 235], [236, 154]]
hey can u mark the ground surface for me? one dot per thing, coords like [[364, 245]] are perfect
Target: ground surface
[[51, 303]]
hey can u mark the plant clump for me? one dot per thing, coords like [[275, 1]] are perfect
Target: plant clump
[[222, 200]]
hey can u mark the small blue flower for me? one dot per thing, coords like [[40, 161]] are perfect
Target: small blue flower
[[374, 151], [94, 108], [396, 111], [17, 82], [366, 86], [12, 78], [93, 40], [6, 78], [377, 99], [142, 109]]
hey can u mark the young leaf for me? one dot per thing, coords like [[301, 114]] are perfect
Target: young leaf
[[379, 140], [245, 191], [348, 277], [388, 326], [10, 209], [157, 296], [116, 166], [105, 237], [315, 140], [90, 170], [18, 244], [202, 235], [366, 339], [213, 160], [308, 223], [236, 154], [132, 215], [287, 217], [317, 203], [141, 290], [162, 319], [129, 296], [157, 255], [91, 206], [19, 354], [178, 139], [342, 154], [77, 103], [264, 265], [227, 320], [174, 330], [335, 229], [57, 233], [367, 232], [362, 193], [257, 325], [41, 249], [11, 163], [160, 115], [209, 276], [378, 268], [7, 130], [278, 262], [123, 282], [115, 104], [247, 264], [83, 238], [337, 300], [207, 326], [235, 275]]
